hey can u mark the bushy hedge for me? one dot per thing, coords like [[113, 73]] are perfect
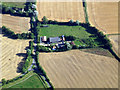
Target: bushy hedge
[[11, 34], [43, 49]]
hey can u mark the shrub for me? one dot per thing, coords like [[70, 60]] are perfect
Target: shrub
[[44, 20], [69, 38], [3, 81], [43, 49]]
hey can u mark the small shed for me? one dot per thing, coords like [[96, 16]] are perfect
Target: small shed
[[44, 38]]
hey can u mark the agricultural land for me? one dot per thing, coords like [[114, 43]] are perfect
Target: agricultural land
[[13, 56], [61, 11], [15, 23], [77, 69], [104, 16]]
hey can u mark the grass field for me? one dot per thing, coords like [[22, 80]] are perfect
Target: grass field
[[12, 56], [58, 30], [61, 11], [17, 24], [32, 82], [78, 69], [14, 4], [115, 40], [104, 18]]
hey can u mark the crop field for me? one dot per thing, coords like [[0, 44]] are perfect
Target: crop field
[[104, 16], [115, 40], [58, 30], [12, 56], [60, 11], [17, 24], [78, 69]]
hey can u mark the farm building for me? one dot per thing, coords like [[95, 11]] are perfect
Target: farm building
[[54, 39]]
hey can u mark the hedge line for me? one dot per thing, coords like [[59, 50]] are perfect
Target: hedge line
[[11, 34]]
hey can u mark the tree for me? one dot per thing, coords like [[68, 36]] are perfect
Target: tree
[[3, 81], [44, 20], [31, 35], [69, 47], [77, 22], [71, 22], [29, 52]]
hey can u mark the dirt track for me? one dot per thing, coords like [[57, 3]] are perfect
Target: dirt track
[[61, 11], [77, 69], [16, 24], [12, 53]]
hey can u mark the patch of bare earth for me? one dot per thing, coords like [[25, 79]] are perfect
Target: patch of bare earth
[[77, 69], [15, 23], [12, 55], [103, 15], [115, 40], [60, 11]]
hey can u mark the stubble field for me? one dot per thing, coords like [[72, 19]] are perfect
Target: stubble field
[[60, 11], [12, 55], [115, 40], [77, 69], [16, 24], [103, 15]]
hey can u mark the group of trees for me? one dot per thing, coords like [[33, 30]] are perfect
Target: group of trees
[[70, 23], [11, 34], [28, 61], [25, 12]]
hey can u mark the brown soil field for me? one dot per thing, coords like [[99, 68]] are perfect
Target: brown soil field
[[60, 11], [12, 55], [104, 16], [77, 69], [115, 40], [16, 24]]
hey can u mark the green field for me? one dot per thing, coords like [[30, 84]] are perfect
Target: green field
[[58, 30], [15, 4], [32, 82]]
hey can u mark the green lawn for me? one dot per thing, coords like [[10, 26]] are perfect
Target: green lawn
[[58, 30], [15, 4], [32, 82]]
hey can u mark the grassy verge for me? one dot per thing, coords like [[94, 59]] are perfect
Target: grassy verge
[[34, 80], [14, 4], [85, 11]]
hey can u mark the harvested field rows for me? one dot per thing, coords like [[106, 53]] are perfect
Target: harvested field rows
[[104, 16], [12, 53], [115, 40], [77, 69], [61, 11], [17, 24]]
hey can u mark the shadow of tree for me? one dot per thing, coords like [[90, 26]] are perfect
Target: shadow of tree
[[20, 65]]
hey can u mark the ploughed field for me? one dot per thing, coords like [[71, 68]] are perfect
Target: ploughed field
[[12, 56], [16, 24], [103, 15], [60, 11], [78, 69]]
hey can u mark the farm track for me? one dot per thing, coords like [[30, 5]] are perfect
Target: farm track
[[77, 69], [61, 11], [17, 24], [9, 59]]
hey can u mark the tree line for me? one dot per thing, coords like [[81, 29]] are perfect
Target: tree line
[[11, 34]]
